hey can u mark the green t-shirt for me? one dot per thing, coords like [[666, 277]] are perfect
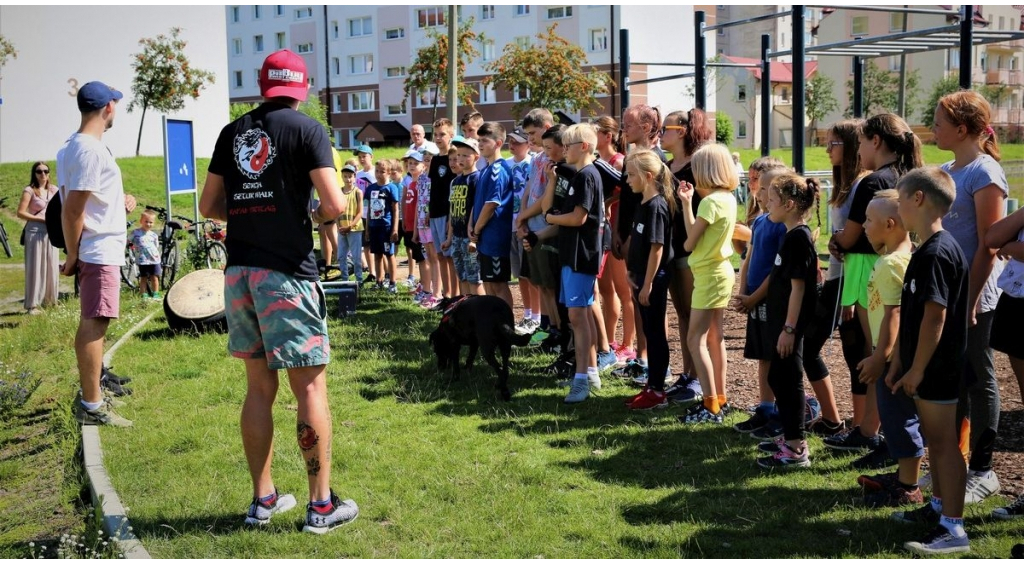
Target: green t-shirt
[[884, 289], [715, 245]]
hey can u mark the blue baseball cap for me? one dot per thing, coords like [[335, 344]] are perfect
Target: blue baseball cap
[[364, 149], [95, 95]]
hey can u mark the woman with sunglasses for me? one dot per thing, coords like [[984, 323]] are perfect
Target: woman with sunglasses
[[41, 258]]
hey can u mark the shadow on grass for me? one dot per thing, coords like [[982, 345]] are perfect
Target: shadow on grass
[[160, 527]]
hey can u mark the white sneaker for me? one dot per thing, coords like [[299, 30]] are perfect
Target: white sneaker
[[980, 485], [579, 391], [260, 513]]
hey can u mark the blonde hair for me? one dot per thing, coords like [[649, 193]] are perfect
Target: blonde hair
[[713, 168], [580, 133], [889, 200], [936, 185], [645, 160], [148, 213]]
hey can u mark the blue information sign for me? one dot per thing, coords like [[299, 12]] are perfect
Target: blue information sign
[[179, 156]]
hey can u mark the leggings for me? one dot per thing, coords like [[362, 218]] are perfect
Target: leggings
[[826, 318], [653, 319], [786, 378]]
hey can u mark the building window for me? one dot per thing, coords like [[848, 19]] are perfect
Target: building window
[[430, 17], [338, 133], [304, 13], [257, 12], [741, 92], [522, 10], [785, 94], [559, 12], [257, 43], [741, 130], [236, 14], [396, 109], [860, 26], [360, 64], [255, 76], [236, 46], [521, 93], [304, 48], [487, 12], [599, 39], [894, 63], [352, 141], [361, 101], [896, 21], [336, 65], [278, 10], [523, 41], [335, 29], [311, 81], [487, 95], [281, 40], [427, 97], [336, 105], [487, 50], [394, 33], [394, 72], [360, 27], [238, 79]]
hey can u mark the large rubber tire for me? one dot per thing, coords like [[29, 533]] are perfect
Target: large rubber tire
[[216, 255], [196, 302], [170, 266], [130, 270]]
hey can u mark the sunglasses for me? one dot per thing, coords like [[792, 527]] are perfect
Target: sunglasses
[[665, 129], [831, 144], [42, 171]]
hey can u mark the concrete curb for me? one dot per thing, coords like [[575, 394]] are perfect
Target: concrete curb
[[101, 490]]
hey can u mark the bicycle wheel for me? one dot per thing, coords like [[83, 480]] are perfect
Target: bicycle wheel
[[216, 255], [170, 265], [6, 243], [130, 270]]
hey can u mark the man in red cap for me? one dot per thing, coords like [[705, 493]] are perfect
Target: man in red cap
[[264, 167]]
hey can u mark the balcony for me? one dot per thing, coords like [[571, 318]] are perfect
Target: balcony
[[1011, 116], [997, 76], [1016, 78]]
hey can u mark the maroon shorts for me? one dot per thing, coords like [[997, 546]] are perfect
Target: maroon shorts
[[100, 290]]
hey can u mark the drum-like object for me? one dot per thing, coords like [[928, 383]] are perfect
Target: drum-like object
[[196, 302]]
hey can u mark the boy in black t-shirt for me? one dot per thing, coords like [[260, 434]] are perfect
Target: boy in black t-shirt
[[467, 265], [579, 251], [441, 176], [932, 347]]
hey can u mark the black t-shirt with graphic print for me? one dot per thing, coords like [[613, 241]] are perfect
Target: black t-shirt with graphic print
[[463, 191], [797, 260], [651, 224], [579, 248], [265, 158], [441, 177]]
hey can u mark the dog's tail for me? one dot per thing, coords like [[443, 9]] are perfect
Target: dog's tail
[[516, 339]]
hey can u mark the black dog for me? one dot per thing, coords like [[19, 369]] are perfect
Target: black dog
[[477, 321]]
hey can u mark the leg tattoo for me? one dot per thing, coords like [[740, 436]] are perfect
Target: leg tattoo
[[307, 436], [313, 466]]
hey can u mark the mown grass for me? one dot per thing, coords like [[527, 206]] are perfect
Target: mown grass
[[446, 469]]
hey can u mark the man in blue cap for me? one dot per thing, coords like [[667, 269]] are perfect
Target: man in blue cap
[[93, 219]]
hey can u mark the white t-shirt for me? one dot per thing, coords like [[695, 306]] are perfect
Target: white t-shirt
[[426, 146], [84, 163], [363, 181], [1011, 280]]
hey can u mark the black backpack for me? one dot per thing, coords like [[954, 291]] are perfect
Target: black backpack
[[54, 226]]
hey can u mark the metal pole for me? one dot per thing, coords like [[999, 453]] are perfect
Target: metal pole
[[766, 96], [799, 104], [611, 56], [858, 87], [453, 66], [966, 44], [901, 103], [327, 74], [700, 54], [624, 69]]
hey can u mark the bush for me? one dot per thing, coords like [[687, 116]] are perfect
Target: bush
[[15, 388], [723, 128]]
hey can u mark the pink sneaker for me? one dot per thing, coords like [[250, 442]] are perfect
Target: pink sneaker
[[623, 355], [429, 302]]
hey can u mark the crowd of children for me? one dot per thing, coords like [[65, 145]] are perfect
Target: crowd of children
[[601, 237]]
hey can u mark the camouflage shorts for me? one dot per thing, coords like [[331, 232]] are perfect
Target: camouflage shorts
[[276, 316], [467, 265]]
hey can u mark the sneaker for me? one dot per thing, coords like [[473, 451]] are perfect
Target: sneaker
[[756, 422], [260, 513], [114, 388], [623, 355], [925, 481], [409, 282], [109, 375], [110, 399], [894, 496], [700, 414], [772, 446], [825, 428], [647, 400], [527, 326], [392, 289], [157, 296], [852, 441], [1013, 511], [686, 391], [980, 485], [104, 415], [338, 513], [786, 458], [771, 430], [632, 369], [579, 391], [430, 302], [642, 380], [876, 458], [551, 344], [605, 360], [924, 514], [939, 541], [812, 411], [878, 482], [539, 336], [370, 279]]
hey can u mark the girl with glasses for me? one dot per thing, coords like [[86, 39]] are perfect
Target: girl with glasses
[[41, 258]]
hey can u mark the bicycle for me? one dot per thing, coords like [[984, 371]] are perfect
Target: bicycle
[[169, 256], [130, 270], [208, 248], [4, 240]]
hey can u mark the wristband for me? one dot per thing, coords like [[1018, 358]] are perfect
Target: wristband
[[789, 329]]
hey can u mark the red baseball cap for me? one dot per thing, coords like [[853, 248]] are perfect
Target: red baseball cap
[[284, 74]]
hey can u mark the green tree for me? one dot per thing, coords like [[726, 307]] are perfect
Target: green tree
[[164, 77], [552, 74], [723, 128], [943, 86], [881, 91], [238, 110], [7, 51], [315, 109], [430, 68], [819, 99]]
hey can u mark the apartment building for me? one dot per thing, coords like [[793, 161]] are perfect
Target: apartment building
[[358, 55], [739, 96], [745, 40]]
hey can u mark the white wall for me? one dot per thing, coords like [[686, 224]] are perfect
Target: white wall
[[60, 44], [665, 34]]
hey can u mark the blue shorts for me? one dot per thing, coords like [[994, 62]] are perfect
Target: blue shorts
[[577, 288], [380, 240], [467, 266], [276, 316], [439, 231], [150, 270]]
